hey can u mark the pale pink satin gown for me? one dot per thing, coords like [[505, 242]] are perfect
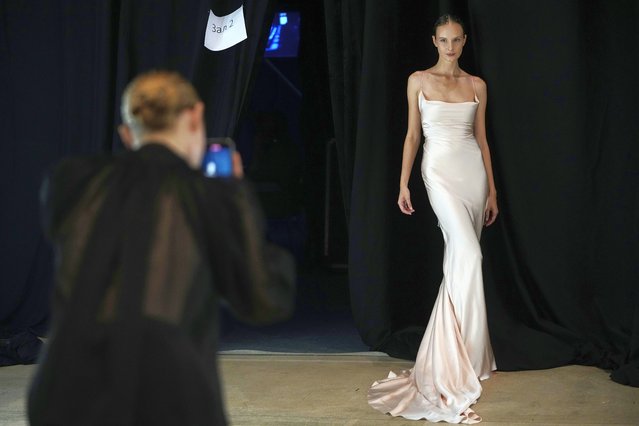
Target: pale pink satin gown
[[455, 352]]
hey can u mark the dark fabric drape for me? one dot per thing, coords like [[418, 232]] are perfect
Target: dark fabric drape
[[358, 78], [228, 86], [63, 67], [560, 264], [170, 34], [316, 124]]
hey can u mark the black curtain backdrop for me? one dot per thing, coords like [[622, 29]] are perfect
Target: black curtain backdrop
[[64, 65], [561, 263], [316, 126]]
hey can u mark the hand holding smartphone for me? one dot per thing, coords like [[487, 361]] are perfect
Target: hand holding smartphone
[[221, 159]]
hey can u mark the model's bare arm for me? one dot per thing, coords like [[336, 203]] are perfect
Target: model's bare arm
[[411, 142], [480, 134]]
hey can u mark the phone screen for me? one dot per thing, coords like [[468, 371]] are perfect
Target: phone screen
[[218, 160]]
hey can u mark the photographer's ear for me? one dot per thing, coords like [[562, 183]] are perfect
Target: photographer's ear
[[197, 116], [126, 135]]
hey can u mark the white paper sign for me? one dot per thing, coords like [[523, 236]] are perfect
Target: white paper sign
[[223, 32]]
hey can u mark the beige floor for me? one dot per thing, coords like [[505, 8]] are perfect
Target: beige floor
[[331, 390]]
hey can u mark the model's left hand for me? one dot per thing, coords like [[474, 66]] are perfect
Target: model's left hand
[[491, 212]]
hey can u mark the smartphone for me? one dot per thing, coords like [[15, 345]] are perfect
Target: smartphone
[[218, 158]]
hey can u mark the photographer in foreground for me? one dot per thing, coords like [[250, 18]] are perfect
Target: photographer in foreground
[[145, 246]]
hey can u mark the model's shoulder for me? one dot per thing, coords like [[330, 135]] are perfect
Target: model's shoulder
[[415, 80], [428, 73], [423, 74], [417, 75], [478, 82]]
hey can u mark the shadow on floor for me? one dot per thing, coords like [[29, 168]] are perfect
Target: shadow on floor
[[322, 322]]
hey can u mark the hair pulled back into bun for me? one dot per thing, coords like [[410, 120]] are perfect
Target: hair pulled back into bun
[[153, 101], [445, 19]]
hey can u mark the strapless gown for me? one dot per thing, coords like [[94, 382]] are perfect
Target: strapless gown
[[455, 352]]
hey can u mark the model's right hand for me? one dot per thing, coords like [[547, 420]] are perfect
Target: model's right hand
[[404, 201]]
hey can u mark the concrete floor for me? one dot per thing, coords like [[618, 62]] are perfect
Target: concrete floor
[[331, 390]]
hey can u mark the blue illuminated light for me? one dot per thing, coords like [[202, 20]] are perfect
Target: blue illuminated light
[[274, 38], [283, 37]]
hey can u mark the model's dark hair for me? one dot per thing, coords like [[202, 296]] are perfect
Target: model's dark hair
[[445, 19]]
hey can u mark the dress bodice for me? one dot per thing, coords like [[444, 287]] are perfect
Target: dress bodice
[[447, 121]]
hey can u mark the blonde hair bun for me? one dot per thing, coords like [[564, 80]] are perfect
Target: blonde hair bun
[[153, 101]]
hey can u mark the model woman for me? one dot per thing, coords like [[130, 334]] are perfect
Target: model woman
[[455, 354]]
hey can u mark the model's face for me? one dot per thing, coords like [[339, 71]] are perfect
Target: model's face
[[449, 40]]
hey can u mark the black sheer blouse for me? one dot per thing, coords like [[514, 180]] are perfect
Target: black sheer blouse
[[145, 247]]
